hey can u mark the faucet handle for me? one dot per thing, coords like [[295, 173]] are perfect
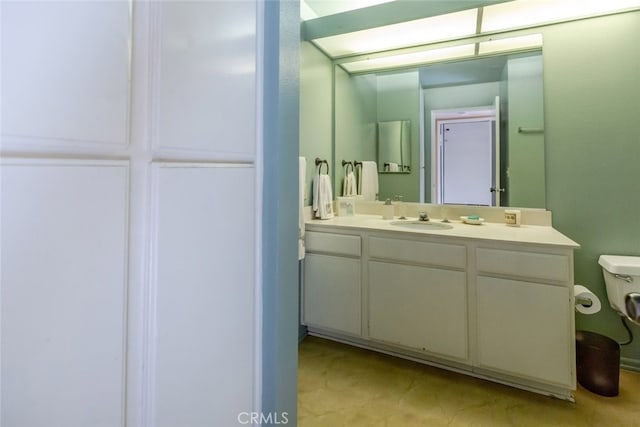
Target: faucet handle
[[423, 216]]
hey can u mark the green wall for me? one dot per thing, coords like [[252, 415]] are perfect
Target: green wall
[[592, 122], [398, 98], [279, 265], [355, 121], [355, 117], [525, 151], [316, 110]]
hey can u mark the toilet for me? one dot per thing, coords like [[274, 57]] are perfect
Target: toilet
[[622, 280]]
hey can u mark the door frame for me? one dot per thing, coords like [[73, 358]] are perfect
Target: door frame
[[441, 117]]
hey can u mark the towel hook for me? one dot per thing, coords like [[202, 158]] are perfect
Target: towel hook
[[347, 164], [319, 163]]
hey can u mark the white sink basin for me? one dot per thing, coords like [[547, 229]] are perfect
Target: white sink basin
[[422, 225]]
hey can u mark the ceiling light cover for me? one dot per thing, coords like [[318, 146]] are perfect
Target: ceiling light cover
[[410, 59], [412, 33], [527, 13]]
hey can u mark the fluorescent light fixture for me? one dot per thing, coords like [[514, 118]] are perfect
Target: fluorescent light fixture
[[410, 59], [528, 13], [513, 43], [411, 33], [461, 26]]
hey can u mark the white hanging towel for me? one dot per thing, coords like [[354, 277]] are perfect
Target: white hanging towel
[[322, 197], [368, 181], [349, 186], [302, 173], [393, 167]]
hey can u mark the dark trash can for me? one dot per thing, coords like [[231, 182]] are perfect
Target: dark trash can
[[597, 363]]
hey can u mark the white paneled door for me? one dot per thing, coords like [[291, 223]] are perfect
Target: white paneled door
[[467, 164], [65, 74], [64, 281], [203, 264], [129, 213]]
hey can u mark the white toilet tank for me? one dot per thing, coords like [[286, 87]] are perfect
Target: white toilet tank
[[622, 279]]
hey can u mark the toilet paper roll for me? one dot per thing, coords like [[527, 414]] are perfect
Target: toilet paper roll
[[582, 293]]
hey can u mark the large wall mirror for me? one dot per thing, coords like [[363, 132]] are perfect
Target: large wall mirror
[[475, 129]]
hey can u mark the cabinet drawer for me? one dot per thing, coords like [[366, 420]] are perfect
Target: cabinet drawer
[[530, 265], [440, 254], [339, 244]]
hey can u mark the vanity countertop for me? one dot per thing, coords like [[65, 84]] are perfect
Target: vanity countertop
[[530, 234]]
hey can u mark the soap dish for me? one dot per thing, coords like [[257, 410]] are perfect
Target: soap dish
[[473, 221]]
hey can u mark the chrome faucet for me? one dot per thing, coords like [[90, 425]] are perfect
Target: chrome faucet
[[423, 216]]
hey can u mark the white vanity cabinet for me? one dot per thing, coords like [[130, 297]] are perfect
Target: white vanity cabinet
[[524, 314], [417, 296], [491, 301], [332, 292]]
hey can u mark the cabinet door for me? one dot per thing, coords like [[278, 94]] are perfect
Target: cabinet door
[[332, 293], [418, 307], [524, 329]]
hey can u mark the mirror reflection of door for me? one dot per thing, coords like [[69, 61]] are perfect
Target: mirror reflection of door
[[467, 161]]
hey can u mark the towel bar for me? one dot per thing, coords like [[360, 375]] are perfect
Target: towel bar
[[530, 130], [387, 166]]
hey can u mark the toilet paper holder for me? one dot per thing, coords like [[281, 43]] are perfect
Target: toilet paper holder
[[586, 302]]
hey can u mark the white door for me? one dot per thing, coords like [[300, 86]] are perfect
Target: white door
[[128, 288], [467, 163]]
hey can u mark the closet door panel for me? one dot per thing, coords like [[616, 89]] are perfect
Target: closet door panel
[[204, 275], [63, 292], [65, 73], [206, 104]]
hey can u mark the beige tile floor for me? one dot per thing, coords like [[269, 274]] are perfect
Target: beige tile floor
[[340, 385]]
